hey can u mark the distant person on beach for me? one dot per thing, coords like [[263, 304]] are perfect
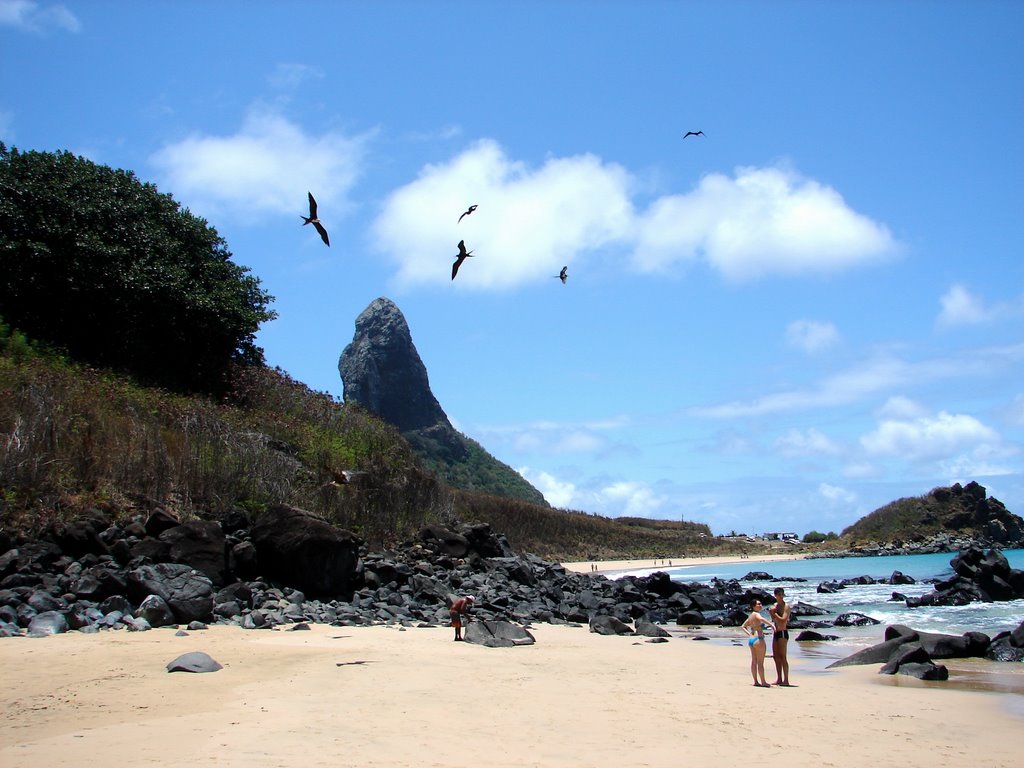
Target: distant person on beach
[[753, 627], [780, 613], [460, 607]]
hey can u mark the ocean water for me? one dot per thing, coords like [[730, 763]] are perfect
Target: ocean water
[[874, 600], [811, 659]]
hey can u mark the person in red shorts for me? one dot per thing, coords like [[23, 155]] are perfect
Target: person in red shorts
[[460, 607]]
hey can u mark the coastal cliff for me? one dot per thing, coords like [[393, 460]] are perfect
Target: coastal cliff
[[382, 372]]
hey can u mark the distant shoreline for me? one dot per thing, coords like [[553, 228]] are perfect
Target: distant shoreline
[[657, 564]]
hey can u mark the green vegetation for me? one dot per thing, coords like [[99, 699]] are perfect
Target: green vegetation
[[73, 438], [965, 510], [116, 274], [816, 537], [464, 464]]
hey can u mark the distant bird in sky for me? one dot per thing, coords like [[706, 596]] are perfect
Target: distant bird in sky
[[463, 253], [312, 219], [563, 275], [471, 209], [693, 133]]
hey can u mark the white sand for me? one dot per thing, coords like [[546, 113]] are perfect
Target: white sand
[[613, 566], [415, 698]]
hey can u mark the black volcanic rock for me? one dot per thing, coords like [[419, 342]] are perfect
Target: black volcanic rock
[[382, 371]]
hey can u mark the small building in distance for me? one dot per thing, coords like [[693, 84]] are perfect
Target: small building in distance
[[779, 536]]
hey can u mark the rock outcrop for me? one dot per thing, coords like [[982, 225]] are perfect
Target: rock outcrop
[[978, 577], [946, 519], [382, 372]]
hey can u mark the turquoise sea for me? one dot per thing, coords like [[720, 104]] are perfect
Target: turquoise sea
[[874, 600]]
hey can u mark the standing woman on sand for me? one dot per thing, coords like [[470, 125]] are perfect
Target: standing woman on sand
[[753, 627]]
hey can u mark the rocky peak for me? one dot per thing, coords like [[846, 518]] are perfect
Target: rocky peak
[[382, 371]]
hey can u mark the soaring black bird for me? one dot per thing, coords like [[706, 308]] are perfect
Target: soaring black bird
[[563, 275], [471, 209], [312, 219], [343, 477], [463, 253], [693, 133]]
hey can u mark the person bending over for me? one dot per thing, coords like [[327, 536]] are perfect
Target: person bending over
[[460, 607]]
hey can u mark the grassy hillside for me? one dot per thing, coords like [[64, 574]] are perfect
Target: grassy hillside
[[73, 438], [965, 510], [464, 464]]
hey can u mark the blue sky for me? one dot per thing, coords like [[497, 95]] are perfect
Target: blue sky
[[813, 309]]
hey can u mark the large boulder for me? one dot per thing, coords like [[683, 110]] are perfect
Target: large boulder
[[188, 592], [98, 583], [81, 537], [943, 646], [497, 634], [609, 625], [880, 653], [195, 661], [155, 610], [305, 552], [200, 544], [47, 623]]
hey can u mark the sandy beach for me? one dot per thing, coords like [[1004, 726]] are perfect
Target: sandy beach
[[616, 566], [384, 696]]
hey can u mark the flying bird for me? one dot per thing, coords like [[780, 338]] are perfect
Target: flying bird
[[563, 275], [312, 219], [693, 133], [343, 477], [471, 209], [463, 253]]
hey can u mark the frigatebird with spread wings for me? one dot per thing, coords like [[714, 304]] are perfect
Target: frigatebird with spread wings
[[312, 219]]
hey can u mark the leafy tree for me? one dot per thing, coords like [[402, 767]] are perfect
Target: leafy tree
[[816, 537], [117, 274]]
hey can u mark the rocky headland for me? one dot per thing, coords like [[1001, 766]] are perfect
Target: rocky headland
[[946, 519]]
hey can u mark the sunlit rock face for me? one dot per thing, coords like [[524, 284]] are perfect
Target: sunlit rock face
[[382, 371]]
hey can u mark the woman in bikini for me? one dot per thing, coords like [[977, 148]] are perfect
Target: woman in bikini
[[753, 627]]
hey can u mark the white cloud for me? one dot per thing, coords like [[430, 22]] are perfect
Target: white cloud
[[531, 221], [811, 336], [630, 499], [534, 220], [37, 18], [616, 498], [899, 407], [928, 437], [268, 166], [868, 378], [795, 443], [552, 438], [960, 307], [558, 493], [762, 221], [836, 494]]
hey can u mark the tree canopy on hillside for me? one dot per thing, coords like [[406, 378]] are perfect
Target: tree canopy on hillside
[[117, 274]]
